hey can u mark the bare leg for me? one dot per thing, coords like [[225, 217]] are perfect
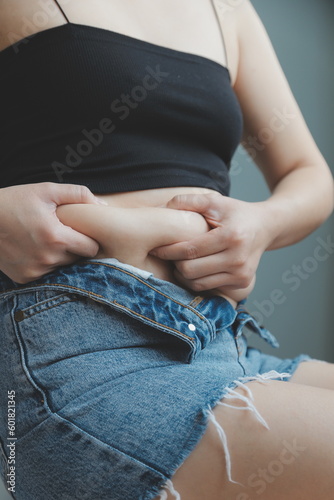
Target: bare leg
[[293, 460], [316, 374]]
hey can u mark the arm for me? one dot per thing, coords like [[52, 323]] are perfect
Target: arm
[[291, 163], [295, 171]]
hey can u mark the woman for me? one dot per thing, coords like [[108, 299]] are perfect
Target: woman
[[122, 314]]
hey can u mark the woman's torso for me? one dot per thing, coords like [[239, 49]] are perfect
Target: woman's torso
[[185, 26]]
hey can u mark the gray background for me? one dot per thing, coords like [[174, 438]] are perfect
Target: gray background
[[302, 34]]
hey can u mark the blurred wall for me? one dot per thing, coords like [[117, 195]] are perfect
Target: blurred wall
[[300, 311]]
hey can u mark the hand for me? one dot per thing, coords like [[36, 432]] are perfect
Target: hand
[[226, 258], [33, 241]]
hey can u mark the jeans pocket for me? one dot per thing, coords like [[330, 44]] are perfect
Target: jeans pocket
[[42, 300]]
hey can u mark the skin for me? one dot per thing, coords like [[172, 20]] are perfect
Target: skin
[[299, 179], [138, 228], [302, 409], [294, 169], [33, 241], [136, 231], [298, 414]]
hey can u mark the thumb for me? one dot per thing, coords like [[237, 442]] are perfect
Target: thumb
[[209, 205], [73, 193]]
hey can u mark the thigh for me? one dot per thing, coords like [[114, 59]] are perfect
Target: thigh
[[290, 460], [315, 373]]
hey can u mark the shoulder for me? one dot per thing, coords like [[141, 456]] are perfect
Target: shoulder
[[19, 19], [12, 15], [239, 23]]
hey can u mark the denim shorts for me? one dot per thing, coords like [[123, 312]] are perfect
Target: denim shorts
[[109, 376]]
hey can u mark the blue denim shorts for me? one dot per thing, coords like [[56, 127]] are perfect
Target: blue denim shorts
[[115, 373]]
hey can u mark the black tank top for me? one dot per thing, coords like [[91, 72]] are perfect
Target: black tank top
[[85, 105]]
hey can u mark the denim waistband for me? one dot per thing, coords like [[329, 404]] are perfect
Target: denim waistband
[[194, 319]]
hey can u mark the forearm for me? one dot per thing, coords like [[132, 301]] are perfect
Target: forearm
[[299, 203]]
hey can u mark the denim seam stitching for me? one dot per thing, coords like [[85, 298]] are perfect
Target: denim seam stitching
[[117, 304], [196, 301], [23, 290], [101, 296], [40, 302], [152, 288], [22, 350], [92, 294], [155, 322], [27, 315]]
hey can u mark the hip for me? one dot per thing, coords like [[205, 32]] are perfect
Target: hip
[[92, 350]]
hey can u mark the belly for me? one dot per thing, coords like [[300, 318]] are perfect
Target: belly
[[150, 229], [134, 223], [149, 197]]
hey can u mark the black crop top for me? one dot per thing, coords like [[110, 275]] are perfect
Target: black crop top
[[85, 105]]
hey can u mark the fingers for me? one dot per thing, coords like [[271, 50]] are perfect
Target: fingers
[[208, 205], [79, 244], [206, 244], [72, 193], [219, 270], [223, 269], [225, 280], [221, 262]]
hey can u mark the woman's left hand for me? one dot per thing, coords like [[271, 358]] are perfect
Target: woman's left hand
[[227, 257]]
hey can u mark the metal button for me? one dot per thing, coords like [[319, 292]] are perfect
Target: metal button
[[19, 316], [191, 327]]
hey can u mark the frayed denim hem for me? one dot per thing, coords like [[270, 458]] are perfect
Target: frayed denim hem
[[229, 394]]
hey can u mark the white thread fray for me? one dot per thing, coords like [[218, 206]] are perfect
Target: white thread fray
[[163, 495], [170, 487], [223, 439], [248, 399], [233, 394], [266, 377]]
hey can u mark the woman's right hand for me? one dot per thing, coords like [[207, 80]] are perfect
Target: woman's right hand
[[33, 241]]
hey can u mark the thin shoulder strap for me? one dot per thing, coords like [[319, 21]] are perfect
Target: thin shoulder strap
[[215, 8], [62, 12]]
